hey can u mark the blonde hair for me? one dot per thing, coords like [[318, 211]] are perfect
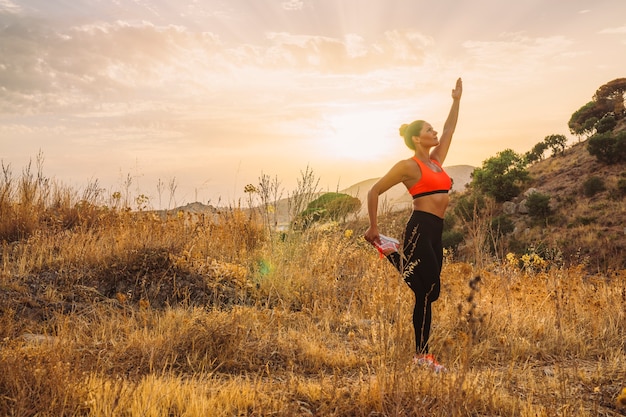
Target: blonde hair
[[408, 131]]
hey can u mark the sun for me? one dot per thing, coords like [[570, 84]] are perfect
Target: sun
[[363, 134]]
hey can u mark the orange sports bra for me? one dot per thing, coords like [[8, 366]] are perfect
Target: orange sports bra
[[431, 182]]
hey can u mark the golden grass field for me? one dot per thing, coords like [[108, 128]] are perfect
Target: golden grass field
[[107, 312]]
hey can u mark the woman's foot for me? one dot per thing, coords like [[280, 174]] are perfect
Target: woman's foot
[[429, 361], [387, 246]]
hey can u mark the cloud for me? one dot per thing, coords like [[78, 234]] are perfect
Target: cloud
[[616, 30], [77, 68], [41, 66], [517, 55], [9, 7], [352, 54], [293, 5]]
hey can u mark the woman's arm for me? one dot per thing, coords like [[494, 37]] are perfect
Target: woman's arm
[[396, 175], [440, 152]]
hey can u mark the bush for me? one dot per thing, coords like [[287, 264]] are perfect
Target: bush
[[501, 226], [452, 239], [592, 186], [538, 206], [333, 206], [607, 148], [469, 205]]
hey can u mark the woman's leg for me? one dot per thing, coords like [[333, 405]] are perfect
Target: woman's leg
[[422, 316], [422, 312], [422, 271]]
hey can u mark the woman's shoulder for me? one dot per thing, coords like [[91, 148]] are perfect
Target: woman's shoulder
[[408, 169], [405, 165]]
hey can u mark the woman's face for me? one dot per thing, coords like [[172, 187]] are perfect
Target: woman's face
[[427, 137]]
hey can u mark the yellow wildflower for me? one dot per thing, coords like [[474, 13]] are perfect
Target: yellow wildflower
[[621, 399], [511, 259], [348, 233], [538, 261]]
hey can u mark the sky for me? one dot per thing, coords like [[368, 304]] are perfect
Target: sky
[[191, 100]]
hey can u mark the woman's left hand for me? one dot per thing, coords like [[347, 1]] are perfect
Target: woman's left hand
[[458, 89]]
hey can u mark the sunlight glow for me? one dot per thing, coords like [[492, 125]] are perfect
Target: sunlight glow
[[363, 134]]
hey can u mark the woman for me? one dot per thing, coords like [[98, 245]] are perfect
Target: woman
[[422, 252]]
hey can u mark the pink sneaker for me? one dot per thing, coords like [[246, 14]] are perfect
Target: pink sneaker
[[387, 245], [429, 361]]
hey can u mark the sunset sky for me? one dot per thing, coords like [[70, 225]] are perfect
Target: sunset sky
[[215, 93]]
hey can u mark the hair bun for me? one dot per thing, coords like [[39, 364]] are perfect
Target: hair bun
[[403, 129]]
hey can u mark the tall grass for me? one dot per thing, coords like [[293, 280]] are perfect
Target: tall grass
[[133, 314]]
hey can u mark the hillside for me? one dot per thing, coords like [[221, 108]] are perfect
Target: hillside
[[586, 229]]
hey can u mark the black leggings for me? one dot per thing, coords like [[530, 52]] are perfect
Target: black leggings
[[420, 265]]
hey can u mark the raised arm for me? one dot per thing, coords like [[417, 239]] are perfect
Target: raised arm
[[440, 151]]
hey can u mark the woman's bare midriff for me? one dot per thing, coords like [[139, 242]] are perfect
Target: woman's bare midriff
[[435, 204]]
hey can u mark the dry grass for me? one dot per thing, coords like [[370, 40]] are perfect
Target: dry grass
[[127, 314]]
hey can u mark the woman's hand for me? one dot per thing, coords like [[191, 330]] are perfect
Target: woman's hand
[[372, 235], [458, 90]]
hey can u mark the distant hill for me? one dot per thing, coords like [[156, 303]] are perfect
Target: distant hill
[[397, 198]]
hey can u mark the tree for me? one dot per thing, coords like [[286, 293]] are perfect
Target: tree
[[556, 143], [609, 98], [502, 176], [613, 94], [584, 120], [536, 154], [606, 124]]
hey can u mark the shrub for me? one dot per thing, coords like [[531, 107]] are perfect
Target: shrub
[[452, 239], [334, 206], [538, 206], [469, 205], [606, 124], [607, 148], [593, 185], [501, 226]]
